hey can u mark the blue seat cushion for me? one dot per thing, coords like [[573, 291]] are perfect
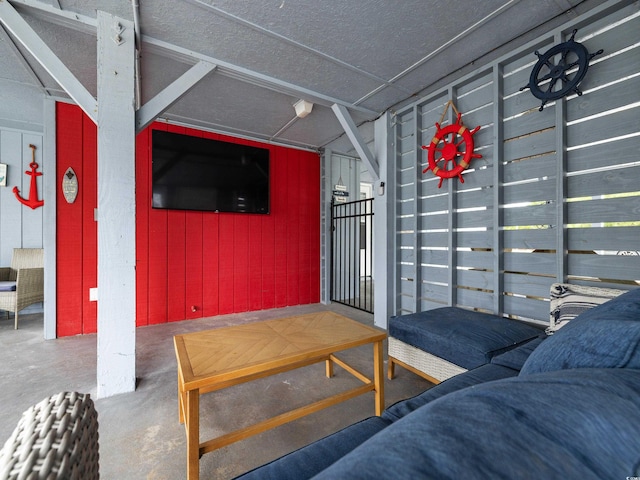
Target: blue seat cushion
[[605, 336], [463, 337], [516, 357], [579, 423], [315, 457], [7, 286], [482, 374]]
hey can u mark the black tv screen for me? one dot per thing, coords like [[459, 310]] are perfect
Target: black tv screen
[[193, 173]]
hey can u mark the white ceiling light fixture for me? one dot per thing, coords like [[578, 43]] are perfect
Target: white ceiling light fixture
[[303, 108]]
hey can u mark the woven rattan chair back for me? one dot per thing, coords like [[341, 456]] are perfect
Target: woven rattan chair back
[[27, 270], [55, 439]]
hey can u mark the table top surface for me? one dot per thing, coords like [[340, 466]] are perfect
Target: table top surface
[[228, 353]]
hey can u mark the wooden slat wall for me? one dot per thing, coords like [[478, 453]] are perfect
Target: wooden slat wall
[[77, 233], [20, 226], [558, 199], [190, 264]]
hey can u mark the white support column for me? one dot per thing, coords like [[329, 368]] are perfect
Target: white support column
[[116, 207], [325, 231], [384, 232], [49, 225]]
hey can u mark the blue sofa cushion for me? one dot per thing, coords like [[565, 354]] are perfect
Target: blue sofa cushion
[[7, 286], [315, 457], [516, 357], [605, 336], [484, 373], [579, 423], [463, 337]]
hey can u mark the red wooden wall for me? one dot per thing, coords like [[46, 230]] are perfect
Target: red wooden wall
[[189, 264]]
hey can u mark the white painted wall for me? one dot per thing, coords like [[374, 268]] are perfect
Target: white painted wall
[[21, 116], [20, 226]]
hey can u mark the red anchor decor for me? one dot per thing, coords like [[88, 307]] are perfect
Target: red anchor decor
[[33, 201]]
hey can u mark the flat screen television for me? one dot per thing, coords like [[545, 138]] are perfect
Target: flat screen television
[[193, 173]]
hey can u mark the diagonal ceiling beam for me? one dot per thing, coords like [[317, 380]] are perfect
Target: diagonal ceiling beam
[[54, 14], [86, 24], [171, 94], [353, 133], [23, 61], [21, 30], [251, 77]]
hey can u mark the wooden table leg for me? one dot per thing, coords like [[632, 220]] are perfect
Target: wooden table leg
[[192, 424], [378, 376], [329, 368], [180, 402]]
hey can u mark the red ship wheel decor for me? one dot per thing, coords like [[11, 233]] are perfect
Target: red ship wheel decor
[[451, 148]]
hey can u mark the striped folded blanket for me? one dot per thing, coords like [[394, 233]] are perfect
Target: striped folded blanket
[[568, 301]]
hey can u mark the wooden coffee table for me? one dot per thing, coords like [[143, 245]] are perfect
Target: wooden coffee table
[[215, 359]]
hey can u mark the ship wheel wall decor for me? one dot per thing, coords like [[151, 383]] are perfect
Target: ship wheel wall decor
[[447, 145], [551, 81]]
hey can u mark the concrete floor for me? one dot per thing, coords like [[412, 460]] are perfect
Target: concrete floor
[[140, 436]]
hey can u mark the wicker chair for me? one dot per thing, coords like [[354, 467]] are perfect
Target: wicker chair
[[22, 284], [56, 439]]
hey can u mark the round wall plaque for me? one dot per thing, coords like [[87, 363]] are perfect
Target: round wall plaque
[[70, 185]]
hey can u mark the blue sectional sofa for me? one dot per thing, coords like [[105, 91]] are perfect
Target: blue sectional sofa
[[565, 405]]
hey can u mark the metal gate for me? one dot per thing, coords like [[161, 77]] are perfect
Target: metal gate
[[352, 254]]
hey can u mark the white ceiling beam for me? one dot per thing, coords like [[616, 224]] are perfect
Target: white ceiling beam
[[86, 24], [296, 44], [23, 61], [20, 29], [349, 126], [502, 8], [171, 94], [57, 16], [251, 77]]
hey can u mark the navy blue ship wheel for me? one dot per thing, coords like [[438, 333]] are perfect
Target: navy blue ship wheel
[[559, 71]]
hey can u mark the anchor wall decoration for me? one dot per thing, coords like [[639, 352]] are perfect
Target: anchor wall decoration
[[32, 201]]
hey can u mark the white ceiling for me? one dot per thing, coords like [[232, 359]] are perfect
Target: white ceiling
[[367, 55]]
